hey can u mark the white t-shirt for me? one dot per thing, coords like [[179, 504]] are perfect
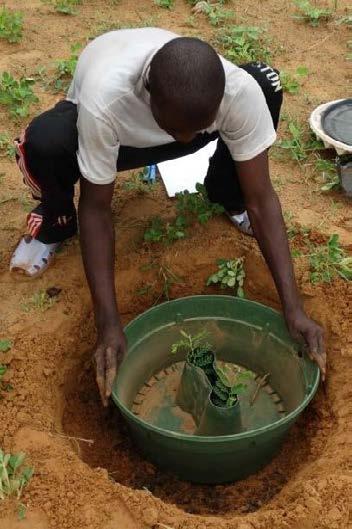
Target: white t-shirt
[[113, 104]]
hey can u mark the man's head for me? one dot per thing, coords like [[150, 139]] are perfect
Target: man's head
[[186, 83]]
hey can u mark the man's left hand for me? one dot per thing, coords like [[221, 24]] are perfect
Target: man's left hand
[[302, 327]]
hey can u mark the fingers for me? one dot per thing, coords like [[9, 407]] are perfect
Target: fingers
[[322, 354], [316, 350], [111, 368], [99, 356]]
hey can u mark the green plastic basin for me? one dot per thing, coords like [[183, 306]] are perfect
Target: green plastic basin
[[244, 333]]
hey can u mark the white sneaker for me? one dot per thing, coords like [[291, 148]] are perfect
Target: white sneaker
[[32, 257], [242, 223]]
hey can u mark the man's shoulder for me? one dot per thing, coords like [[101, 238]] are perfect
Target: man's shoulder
[[112, 62]]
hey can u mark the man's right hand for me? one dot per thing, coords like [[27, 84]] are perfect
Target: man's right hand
[[109, 351], [98, 252]]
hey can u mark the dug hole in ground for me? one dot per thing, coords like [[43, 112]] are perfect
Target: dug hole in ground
[[99, 481], [105, 483]]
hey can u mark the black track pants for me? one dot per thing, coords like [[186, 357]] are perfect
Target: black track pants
[[46, 156]]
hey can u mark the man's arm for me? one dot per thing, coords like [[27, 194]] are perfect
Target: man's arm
[[98, 252], [265, 214]]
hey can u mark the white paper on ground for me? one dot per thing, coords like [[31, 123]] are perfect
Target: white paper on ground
[[184, 173]]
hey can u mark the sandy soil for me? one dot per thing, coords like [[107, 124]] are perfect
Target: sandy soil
[[106, 484]]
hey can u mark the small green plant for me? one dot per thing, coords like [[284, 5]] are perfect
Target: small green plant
[[65, 7], [227, 382], [60, 79], [293, 229], [190, 344], [197, 205], [191, 21], [11, 25], [215, 13], [190, 207], [65, 68], [7, 147], [136, 183], [21, 511], [329, 261], [345, 20], [5, 345], [17, 95], [311, 14], [230, 274], [4, 386], [167, 232], [292, 83], [298, 145], [39, 301], [155, 231], [244, 44], [14, 475], [330, 177], [166, 4]]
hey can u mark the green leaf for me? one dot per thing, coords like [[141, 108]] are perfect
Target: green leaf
[[17, 460], [302, 71], [21, 511], [27, 473], [5, 345], [240, 292], [231, 282]]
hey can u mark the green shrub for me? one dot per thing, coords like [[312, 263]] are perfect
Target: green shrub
[[311, 14], [330, 177], [14, 476], [5, 345], [227, 383], [65, 7], [166, 232], [244, 44], [7, 147], [190, 207], [329, 261], [292, 83], [230, 274], [17, 95], [65, 68], [166, 4], [197, 205], [299, 144], [215, 13], [11, 25]]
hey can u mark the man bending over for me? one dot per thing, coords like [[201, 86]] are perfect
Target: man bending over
[[139, 97]]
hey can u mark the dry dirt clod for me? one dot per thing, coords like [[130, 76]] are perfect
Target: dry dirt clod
[[150, 516]]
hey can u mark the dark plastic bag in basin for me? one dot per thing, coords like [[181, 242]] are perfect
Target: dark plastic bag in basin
[[193, 397]]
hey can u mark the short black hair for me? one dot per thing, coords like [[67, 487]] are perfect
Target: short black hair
[[187, 76]]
